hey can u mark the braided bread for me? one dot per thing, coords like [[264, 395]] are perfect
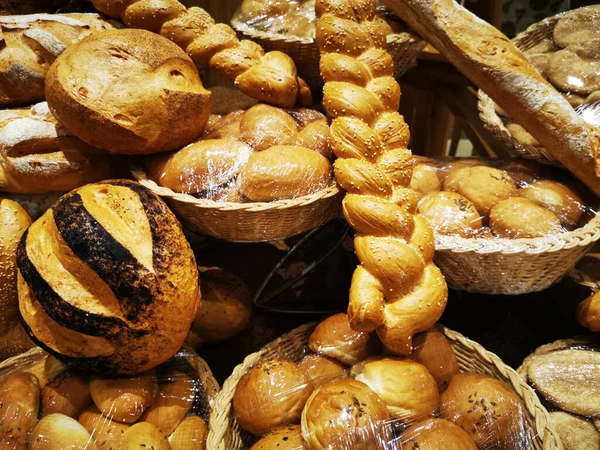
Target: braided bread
[[396, 290], [270, 77]]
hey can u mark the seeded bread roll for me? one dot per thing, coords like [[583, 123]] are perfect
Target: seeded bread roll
[[67, 394], [434, 351], [107, 434], [285, 438], [436, 434], [19, 406]]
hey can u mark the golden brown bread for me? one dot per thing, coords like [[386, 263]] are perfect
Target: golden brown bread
[[588, 312], [263, 126], [492, 62], [556, 197], [284, 438], [30, 44], [190, 434], [320, 369], [450, 213], [518, 217], [19, 406], [144, 435], [67, 394], [434, 351], [575, 432], [58, 432], [424, 180], [270, 77], [397, 290], [436, 434], [270, 395], [144, 94], [107, 434]]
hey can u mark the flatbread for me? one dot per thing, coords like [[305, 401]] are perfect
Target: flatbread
[[575, 432]]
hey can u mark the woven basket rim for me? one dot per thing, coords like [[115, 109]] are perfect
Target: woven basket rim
[[223, 402], [204, 204]]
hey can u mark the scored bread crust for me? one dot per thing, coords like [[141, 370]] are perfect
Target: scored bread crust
[[397, 289], [269, 77]]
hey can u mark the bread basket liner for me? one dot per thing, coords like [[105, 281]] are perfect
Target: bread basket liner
[[250, 222], [487, 112], [224, 432]]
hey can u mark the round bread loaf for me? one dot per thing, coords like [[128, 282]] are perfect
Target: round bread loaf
[[556, 197], [285, 438], [436, 434], [450, 213], [107, 280], [320, 369], [434, 351], [517, 217], [425, 180], [128, 92]]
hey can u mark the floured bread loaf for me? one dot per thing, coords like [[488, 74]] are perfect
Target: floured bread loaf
[[107, 280], [30, 44], [37, 155]]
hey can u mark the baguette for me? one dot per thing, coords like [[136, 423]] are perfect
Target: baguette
[[493, 63]]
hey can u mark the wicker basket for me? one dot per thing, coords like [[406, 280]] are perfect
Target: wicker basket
[[225, 433], [512, 266], [250, 222], [403, 47]]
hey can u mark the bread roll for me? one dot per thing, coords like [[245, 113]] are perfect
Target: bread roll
[[316, 137], [285, 438], [345, 414], [129, 92], [270, 395], [483, 186], [19, 406], [283, 172], [108, 280], [575, 432], [60, 432], [521, 218], [434, 351], [588, 313], [124, 399], [144, 435], [107, 434], [226, 127], [488, 410], [450, 213], [523, 172], [190, 434], [406, 387], [460, 163], [334, 338], [556, 197], [436, 434], [425, 180], [320, 369], [264, 126], [67, 394]]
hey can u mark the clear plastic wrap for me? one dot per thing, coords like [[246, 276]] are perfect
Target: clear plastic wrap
[[46, 405], [342, 391]]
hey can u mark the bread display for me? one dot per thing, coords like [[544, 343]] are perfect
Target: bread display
[[260, 155], [269, 77], [107, 280], [31, 43]]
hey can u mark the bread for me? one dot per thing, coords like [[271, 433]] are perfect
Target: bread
[[31, 43], [270, 77], [397, 290], [334, 338], [523, 172], [37, 155], [175, 398], [588, 313], [345, 414], [521, 135], [319, 369], [492, 62], [572, 72], [59, 432], [264, 126], [575, 432], [190, 434], [517, 217], [19, 406], [67, 394], [285, 438], [406, 387], [282, 172], [488, 410], [450, 213], [107, 280], [558, 198], [459, 163], [143, 96], [144, 435], [226, 306], [124, 399], [577, 27], [432, 350], [106, 434], [436, 434], [315, 136], [270, 395], [424, 180], [14, 220]]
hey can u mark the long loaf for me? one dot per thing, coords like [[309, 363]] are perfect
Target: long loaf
[[270, 77], [397, 289]]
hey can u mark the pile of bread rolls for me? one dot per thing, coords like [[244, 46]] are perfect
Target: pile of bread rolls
[[472, 199], [157, 410], [346, 394]]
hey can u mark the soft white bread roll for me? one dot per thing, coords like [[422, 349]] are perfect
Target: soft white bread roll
[[144, 435], [67, 394], [129, 92], [434, 351], [425, 180], [519, 217], [59, 432], [19, 406], [450, 213], [264, 126], [190, 434], [436, 434], [558, 198], [107, 434], [320, 369], [285, 438], [108, 280]]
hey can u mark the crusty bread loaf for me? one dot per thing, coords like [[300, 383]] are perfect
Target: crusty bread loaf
[[107, 279], [270, 77], [37, 155], [492, 62], [128, 92], [29, 46]]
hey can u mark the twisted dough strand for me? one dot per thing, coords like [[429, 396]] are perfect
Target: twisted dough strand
[[270, 77], [396, 290]]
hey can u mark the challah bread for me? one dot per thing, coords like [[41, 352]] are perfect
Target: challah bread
[[397, 290], [107, 280], [30, 44], [269, 77], [37, 155], [129, 92]]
